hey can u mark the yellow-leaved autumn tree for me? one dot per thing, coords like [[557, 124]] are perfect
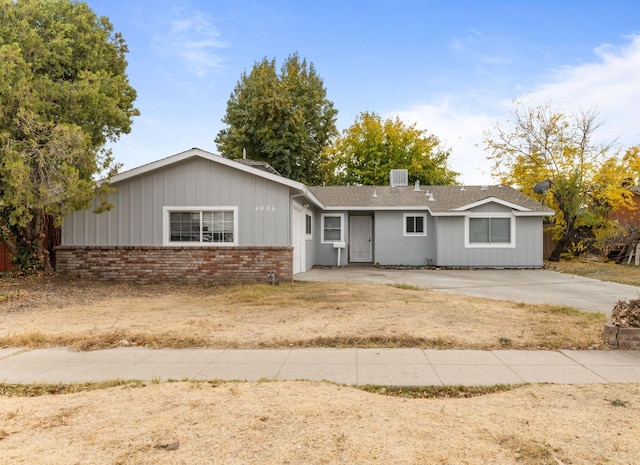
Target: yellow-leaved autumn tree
[[587, 178], [366, 152], [631, 160]]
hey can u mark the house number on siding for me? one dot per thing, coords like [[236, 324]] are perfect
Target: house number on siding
[[262, 208]]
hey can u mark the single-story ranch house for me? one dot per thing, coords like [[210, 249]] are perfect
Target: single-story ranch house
[[197, 216]]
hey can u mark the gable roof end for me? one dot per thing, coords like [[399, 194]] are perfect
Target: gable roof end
[[196, 152], [492, 200]]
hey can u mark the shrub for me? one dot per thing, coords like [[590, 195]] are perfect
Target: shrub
[[626, 313]]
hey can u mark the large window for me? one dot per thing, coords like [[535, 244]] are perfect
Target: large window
[[332, 228], [493, 231], [415, 224], [200, 226]]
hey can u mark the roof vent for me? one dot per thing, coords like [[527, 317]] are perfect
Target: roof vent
[[416, 188], [484, 188], [399, 178], [375, 194]]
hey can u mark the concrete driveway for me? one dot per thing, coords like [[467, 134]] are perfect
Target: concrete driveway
[[529, 286]]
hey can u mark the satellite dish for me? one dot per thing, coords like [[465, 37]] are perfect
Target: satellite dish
[[542, 187]]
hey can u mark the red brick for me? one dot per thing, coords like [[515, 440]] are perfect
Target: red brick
[[193, 264]]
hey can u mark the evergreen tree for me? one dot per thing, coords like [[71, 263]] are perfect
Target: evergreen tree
[[284, 119], [64, 93]]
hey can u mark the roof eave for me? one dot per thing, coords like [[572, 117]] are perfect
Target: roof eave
[[513, 206], [375, 208], [425, 208], [535, 213], [196, 152]]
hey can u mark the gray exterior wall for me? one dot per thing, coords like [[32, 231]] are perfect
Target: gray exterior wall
[[263, 206], [326, 254], [491, 207], [451, 249], [310, 250], [444, 244], [392, 247]]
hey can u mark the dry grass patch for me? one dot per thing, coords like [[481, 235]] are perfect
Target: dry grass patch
[[43, 389], [11, 295], [604, 271], [319, 423], [437, 392], [55, 311]]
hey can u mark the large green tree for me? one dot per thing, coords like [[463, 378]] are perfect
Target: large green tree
[[367, 151], [64, 93], [587, 177], [284, 119]]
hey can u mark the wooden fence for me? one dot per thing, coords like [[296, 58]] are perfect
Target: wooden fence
[[52, 240], [548, 244], [5, 259]]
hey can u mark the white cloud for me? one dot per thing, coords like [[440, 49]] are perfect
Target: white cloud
[[610, 83], [459, 130], [192, 37], [494, 60]]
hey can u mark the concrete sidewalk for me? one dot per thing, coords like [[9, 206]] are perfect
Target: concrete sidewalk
[[397, 367]]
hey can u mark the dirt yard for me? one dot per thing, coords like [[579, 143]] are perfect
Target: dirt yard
[[301, 422], [319, 423], [88, 315]]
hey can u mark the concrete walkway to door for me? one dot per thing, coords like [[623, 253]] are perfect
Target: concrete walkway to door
[[527, 285]]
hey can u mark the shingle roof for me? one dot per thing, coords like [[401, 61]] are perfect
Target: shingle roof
[[446, 199], [261, 165]]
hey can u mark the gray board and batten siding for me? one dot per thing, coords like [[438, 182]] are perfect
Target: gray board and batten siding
[[449, 211], [388, 225], [526, 253], [443, 245], [263, 206], [392, 247]]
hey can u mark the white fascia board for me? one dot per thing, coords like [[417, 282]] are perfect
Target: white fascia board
[[492, 199], [514, 213], [208, 156], [532, 213], [451, 213], [154, 165], [374, 208]]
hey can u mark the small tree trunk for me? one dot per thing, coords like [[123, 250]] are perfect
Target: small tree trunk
[[562, 245], [33, 240], [9, 242], [39, 239]]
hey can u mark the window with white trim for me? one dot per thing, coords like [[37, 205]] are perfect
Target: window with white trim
[[332, 228], [200, 226], [490, 231], [308, 226], [415, 224]]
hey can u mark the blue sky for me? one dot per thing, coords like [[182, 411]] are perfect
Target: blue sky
[[451, 67]]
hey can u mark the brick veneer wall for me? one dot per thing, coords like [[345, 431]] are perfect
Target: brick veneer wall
[[225, 265]]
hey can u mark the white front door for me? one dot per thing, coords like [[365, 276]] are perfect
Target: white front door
[[360, 239], [298, 238]]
